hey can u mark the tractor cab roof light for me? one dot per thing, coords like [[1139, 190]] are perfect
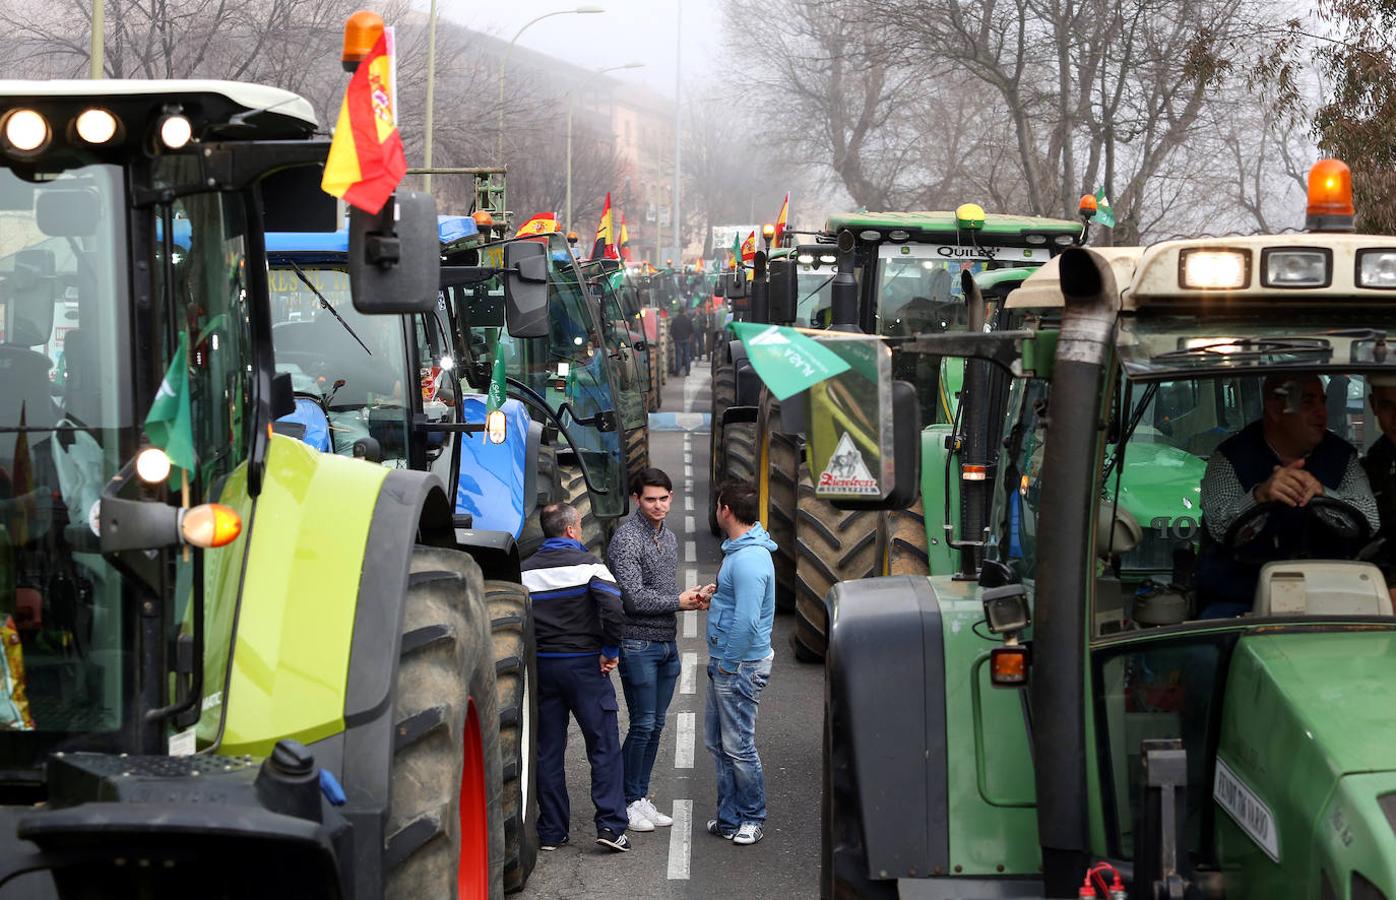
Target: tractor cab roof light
[[1330, 197], [175, 131], [1296, 268], [969, 216], [96, 125], [1376, 269], [1088, 206], [1203, 269], [361, 32], [1035, 239], [26, 132], [1064, 240]]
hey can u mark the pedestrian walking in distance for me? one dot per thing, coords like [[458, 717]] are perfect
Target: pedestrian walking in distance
[[577, 621], [644, 555], [739, 664]]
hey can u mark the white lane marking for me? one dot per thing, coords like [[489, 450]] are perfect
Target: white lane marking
[[688, 524], [688, 456], [690, 552], [688, 471], [683, 751], [681, 839], [690, 623], [688, 502], [687, 679]]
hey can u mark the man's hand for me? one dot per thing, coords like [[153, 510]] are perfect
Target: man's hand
[[707, 591], [692, 599], [1290, 485], [608, 663]]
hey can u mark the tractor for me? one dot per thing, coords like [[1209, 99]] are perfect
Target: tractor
[[1168, 708], [222, 645]]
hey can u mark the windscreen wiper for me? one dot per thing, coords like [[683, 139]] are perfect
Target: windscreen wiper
[[1250, 349], [300, 273]]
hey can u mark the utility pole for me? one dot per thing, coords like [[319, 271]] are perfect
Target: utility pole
[[99, 29], [431, 92], [678, 132]]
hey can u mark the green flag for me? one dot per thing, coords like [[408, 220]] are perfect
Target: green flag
[[737, 248], [495, 398], [170, 423], [787, 361], [1104, 213]]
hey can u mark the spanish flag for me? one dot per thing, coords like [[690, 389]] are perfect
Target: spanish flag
[[780, 219], [366, 159], [543, 223], [624, 240], [605, 246], [749, 248]]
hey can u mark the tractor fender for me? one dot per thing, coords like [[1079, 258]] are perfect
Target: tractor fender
[[533, 442], [885, 702]]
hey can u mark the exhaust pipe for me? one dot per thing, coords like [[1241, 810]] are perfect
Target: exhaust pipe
[[1056, 691]]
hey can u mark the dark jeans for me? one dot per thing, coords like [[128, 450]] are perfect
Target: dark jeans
[[730, 735], [575, 685], [683, 357], [648, 672]]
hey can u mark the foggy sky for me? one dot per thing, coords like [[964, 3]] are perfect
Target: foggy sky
[[628, 31]]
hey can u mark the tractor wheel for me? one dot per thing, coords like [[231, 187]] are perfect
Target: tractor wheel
[[445, 829], [778, 463], [739, 453], [637, 451], [724, 393], [903, 533], [516, 680], [831, 545], [549, 491], [574, 491], [843, 857]]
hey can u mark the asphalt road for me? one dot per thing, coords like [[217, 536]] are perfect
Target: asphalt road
[[685, 861]]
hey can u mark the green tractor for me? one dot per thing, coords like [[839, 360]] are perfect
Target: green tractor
[[1089, 716], [629, 352], [287, 657], [892, 275]]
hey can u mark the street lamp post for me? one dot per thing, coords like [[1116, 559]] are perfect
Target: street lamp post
[[431, 92], [504, 61], [99, 27], [570, 104]]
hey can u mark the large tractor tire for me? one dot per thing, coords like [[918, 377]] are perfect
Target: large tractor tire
[[902, 533], [842, 853], [445, 829], [724, 395], [777, 468], [574, 491], [831, 545], [637, 451], [516, 684], [656, 391], [739, 453], [549, 492]]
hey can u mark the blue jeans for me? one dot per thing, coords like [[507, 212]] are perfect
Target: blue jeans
[[730, 735], [683, 357], [648, 672]]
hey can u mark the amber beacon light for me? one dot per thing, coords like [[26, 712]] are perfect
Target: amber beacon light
[[361, 31], [1330, 197]]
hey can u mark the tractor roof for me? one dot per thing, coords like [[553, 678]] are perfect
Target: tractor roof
[[277, 112], [1248, 270], [942, 224]]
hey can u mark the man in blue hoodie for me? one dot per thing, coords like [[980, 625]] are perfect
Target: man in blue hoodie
[[739, 664]]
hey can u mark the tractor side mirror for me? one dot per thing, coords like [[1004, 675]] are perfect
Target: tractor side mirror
[[283, 395], [735, 288], [526, 289], [394, 257], [784, 290]]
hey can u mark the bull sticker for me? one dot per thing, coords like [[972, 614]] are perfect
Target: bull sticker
[[846, 472]]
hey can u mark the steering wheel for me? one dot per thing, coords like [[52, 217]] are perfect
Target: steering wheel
[[1334, 518]]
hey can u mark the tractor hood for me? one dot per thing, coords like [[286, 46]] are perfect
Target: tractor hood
[[1306, 730]]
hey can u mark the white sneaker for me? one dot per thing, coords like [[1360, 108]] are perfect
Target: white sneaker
[[655, 816], [638, 820], [749, 833]]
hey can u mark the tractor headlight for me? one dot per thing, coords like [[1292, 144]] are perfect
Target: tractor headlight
[[1376, 269], [26, 132], [1285, 268], [175, 131], [1214, 270], [96, 126]]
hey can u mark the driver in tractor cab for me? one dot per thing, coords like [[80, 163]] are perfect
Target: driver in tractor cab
[[1286, 458]]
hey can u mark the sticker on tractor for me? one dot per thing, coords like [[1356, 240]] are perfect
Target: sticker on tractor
[[1248, 810], [846, 472]]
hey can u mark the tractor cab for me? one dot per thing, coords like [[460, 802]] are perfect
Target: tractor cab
[[623, 334], [1167, 663]]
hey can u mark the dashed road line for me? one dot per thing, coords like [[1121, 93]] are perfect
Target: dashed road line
[[688, 680], [688, 525], [683, 750], [690, 623], [688, 471], [690, 551], [681, 840], [688, 502]]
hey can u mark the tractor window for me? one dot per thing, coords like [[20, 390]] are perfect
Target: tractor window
[[66, 425], [1020, 485], [916, 295], [1160, 689], [353, 365]]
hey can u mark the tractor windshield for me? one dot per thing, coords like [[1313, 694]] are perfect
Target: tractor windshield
[[349, 364], [918, 285]]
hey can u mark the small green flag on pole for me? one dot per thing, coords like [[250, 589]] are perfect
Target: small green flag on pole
[[787, 361], [1104, 213], [170, 422], [495, 398], [737, 248]]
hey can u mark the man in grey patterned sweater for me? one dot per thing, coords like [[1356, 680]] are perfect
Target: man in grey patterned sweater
[[644, 557]]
